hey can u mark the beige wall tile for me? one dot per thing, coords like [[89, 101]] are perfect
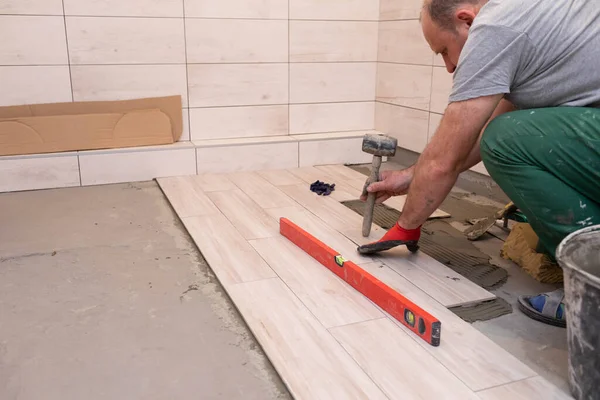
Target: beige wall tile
[[238, 84], [230, 40], [97, 40], [480, 168], [407, 125], [336, 151], [442, 86], [34, 85], [403, 42], [237, 122], [333, 41], [32, 40], [123, 165], [253, 157], [332, 82], [405, 85], [123, 82], [358, 10], [266, 9], [185, 136], [331, 117], [400, 9], [434, 122], [38, 172], [37, 7], [125, 8], [438, 61]]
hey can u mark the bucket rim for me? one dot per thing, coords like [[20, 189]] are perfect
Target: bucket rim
[[563, 246]]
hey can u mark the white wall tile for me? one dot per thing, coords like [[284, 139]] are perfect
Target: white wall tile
[[403, 42], [251, 157], [434, 123], [400, 9], [358, 10], [125, 8], [98, 40], [480, 168], [34, 85], [238, 122], [36, 7], [185, 135], [124, 82], [32, 40], [38, 172], [438, 61], [442, 86], [409, 126], [336, 151], [265, 9], [103, 167], [332, 82], [230, 40], [405, 85], [321, 41], [213, 85], [331, 117]]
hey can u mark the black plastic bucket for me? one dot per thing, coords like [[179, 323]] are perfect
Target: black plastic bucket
[[579, 256]]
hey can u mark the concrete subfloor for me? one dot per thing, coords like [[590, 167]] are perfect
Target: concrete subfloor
[[104, 295]]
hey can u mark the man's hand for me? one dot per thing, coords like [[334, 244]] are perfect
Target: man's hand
[[391, 183], [396, 236]]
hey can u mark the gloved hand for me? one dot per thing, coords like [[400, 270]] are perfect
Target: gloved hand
[[396, 236]]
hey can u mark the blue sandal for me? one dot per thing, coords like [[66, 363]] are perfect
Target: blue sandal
[[546, 307]]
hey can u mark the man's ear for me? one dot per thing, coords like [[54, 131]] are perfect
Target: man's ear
[[465, 16]]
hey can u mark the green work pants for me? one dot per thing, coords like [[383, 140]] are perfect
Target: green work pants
[[547, 161]]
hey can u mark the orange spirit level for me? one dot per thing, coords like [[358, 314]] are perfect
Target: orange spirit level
[[412, 316]]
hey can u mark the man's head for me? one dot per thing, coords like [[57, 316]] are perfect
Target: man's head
[[446, 26]]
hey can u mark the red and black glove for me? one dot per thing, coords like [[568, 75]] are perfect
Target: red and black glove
[[396, 236]]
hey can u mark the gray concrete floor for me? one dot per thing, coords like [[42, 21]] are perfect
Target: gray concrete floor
[[104, 296]]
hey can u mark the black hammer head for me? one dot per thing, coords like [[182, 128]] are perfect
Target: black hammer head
[[380, 145]]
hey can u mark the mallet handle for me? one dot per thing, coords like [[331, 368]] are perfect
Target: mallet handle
[[370, 205]]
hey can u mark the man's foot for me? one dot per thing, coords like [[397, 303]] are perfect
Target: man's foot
[[545, 307]]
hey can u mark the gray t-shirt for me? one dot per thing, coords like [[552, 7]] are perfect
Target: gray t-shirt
[[539, 53]]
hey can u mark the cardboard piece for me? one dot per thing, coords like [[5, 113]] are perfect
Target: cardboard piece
[[58, 127]]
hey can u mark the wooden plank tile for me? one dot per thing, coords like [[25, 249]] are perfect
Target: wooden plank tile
[[260, 190], [310, 361], [342, 191], [319, 229], [214, 182], [186, 196], [280, 177], [434, 278], [229, 255], [331, 300], [532, 388], [247, 216], [401, 369], [474, 358], [328, 209]]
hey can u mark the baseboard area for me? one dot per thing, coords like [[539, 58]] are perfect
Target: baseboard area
[[98, 167]]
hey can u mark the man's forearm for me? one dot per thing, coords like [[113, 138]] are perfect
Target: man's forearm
[[450, 150]]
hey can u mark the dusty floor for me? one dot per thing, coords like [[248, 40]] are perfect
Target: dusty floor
[[103, 295]]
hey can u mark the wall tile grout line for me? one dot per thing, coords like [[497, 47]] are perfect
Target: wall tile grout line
[[187, 78], [69, 62], [211, 63], [430, 95], [192, 17]]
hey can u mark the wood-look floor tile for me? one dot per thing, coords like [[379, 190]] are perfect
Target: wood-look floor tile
[[310, 361], [329, 298], [227, 252]]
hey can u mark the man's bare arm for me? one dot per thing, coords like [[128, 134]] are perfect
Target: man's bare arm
[[443, 160], [474, 157]]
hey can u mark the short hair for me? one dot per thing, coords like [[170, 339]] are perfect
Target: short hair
[[442, 11]]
